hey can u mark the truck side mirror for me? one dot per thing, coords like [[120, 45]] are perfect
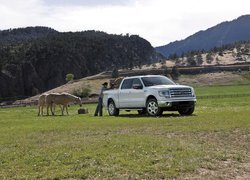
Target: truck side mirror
[[137, 86]]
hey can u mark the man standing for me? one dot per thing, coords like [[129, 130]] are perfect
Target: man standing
[[99, 106]]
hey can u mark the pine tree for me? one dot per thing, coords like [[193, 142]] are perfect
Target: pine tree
[[175, 73], [115, 73], [199, 59]]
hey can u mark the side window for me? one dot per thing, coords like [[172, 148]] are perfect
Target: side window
[[137, 81], [127, 84]]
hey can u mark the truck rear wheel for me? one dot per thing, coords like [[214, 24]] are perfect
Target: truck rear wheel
[[186, 111], [152, 108], [112, 110]]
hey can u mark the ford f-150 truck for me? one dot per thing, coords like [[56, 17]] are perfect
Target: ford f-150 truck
[[151, 94]]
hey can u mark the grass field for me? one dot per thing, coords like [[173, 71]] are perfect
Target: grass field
[[214, 143]]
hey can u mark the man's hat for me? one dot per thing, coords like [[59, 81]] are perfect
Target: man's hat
[[105, 83]]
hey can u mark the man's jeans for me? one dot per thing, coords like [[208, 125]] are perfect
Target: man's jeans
[[99, 107]]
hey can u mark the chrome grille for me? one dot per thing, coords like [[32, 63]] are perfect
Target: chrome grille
[[181, 92]]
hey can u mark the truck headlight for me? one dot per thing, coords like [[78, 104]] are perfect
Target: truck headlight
[[165, 93], [193, 93]]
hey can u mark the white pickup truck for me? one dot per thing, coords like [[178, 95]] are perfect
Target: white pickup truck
[[151, 94]]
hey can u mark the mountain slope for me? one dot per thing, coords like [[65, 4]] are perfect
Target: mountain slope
[[21, 35], [41, 64], [221, 34]]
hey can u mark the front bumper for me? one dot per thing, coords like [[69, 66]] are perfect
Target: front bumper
[[181, 103]]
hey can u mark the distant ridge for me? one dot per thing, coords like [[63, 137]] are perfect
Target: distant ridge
[[21, 35], [216, 36]]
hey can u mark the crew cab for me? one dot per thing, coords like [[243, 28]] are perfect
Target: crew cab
[[150, 94]]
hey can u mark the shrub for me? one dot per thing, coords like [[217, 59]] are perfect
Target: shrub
[[209, 58], [69, 77], [83, 92]]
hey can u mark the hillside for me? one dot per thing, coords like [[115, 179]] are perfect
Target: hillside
[[21, 35], [231, 54], [40, 64], [228, 66], [93, 83], [221, 34]]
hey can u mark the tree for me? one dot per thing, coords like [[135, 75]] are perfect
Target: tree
[[165, 70], [199, 59], [173, 56], [115, 73], [69, 77], [220, 53], [175, 73], [209, 58], [191, 61]]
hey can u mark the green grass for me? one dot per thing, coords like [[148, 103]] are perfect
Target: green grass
[[222, 90], [209, 144]]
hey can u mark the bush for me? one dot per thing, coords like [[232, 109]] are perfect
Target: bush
[[69, 77], [209, 58], [83, 92]]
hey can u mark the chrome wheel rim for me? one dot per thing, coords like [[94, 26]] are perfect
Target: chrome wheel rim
[[153, 107], [111, 108]]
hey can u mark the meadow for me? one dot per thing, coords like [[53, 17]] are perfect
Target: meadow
[[213, 143]]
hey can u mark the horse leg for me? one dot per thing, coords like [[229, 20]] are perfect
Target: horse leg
[[63, 110], [51, 109], [48, 109], [38, 110], [54, 108], [67, 109], [42, 110]]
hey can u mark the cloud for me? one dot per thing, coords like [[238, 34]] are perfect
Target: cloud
[[87, 2], [159, 21]]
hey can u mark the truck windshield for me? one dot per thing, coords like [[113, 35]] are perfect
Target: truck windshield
[[154, 81]]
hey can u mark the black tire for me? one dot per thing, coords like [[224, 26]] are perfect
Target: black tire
[[112, 110], [152, 108], [186, 111]]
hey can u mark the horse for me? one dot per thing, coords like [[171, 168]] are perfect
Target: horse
[[61, 99], [41, 104]]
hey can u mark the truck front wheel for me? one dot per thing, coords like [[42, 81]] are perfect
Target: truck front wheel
[[186, 111], [112, 110], [152, 108]]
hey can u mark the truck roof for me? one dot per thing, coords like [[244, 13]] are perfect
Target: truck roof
[[142, 76]]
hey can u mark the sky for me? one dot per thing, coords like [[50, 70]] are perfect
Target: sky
[[158, 21]]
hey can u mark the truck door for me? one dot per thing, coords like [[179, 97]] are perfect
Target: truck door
[[124, 92], [137, 94]]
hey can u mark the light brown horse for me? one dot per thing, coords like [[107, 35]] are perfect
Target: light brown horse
[[61, 99], [41, 104]]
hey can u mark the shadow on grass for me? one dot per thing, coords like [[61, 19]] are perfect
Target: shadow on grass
[[147, 116], [56, 115]]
